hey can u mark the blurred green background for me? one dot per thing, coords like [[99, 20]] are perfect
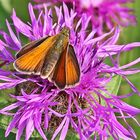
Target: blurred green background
[[129, 34]]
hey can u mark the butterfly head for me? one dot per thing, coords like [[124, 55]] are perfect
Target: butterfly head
[[65, 31]]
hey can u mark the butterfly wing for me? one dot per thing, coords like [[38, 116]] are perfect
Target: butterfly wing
[[72, 67], [54, 56], [67, 71], [58, 76], [31, 58], [28, 47]]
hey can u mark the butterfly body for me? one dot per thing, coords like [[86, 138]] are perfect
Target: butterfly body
[[48, 57]]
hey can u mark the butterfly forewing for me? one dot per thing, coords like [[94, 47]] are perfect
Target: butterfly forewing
[[29, 61], [72, 67], [59, 73], [67, 71], [30, 46]]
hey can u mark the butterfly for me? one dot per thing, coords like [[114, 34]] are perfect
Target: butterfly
[[50, 57]]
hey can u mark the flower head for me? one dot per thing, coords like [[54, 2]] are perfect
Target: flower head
[[90, 108], [104, 13]]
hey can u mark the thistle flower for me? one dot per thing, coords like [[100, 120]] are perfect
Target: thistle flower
[[104, 13], [89, 108]]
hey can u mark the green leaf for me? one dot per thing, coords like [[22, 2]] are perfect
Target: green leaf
[[6, 4], [114, 84], [70, 136], [21, 8], [131, 33], [112, 87], [4, 121], [3, 15], [10, 137]]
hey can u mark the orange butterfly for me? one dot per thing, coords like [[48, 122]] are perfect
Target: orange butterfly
[[50, 57]]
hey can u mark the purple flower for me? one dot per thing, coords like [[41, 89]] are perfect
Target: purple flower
[[104, 13], [91, 109]]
